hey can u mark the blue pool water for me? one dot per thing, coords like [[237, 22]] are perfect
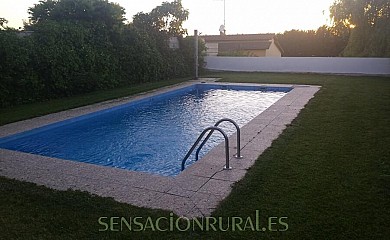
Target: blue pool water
[[150, 135]]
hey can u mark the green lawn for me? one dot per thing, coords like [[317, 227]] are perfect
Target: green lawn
[[328, 173]]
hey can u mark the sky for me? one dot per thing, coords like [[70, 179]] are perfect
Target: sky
[[242, 16]]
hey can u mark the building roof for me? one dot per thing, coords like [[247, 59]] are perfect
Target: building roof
[[235, 46], [243, 41], [239, 37]]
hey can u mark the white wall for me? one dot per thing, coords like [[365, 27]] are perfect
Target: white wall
[[212, 49], [337, 65]]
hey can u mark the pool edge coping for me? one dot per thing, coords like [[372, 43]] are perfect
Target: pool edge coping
[[195, 192]]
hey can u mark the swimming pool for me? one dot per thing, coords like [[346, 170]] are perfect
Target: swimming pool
[[151, 134]]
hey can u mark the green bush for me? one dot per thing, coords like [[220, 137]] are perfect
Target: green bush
[[19, 82], [79, 46], [61, 59]]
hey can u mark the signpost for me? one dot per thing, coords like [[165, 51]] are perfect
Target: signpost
[[196, 54]]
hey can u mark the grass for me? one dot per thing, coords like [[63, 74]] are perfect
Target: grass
[[328, 173]]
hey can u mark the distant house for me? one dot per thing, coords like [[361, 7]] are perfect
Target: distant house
[[254, 45]]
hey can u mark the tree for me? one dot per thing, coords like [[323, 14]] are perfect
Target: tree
[[321, 43], [168, 18], [160, 24], [328, 43], [88, 12], [368, 22], [3, 23]]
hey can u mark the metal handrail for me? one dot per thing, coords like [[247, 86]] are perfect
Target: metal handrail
[[238, 154], [200, 138]]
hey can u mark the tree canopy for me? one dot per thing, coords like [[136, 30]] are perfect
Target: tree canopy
[[320, 43], [94, 12], [368, 22], [3, 23], [168, 18]]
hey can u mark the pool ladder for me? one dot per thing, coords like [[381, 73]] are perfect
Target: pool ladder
[[211, 131]]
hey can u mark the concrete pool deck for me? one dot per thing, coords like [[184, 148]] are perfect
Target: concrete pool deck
[[195, 192]]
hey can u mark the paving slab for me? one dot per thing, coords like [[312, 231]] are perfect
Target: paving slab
[[202, 169], [206, 203], [233, 175], [180, 205], [247, 161], [190, 182], [217, 187]]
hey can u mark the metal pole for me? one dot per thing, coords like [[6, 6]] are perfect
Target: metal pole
[[224, 13], [196, 54]]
